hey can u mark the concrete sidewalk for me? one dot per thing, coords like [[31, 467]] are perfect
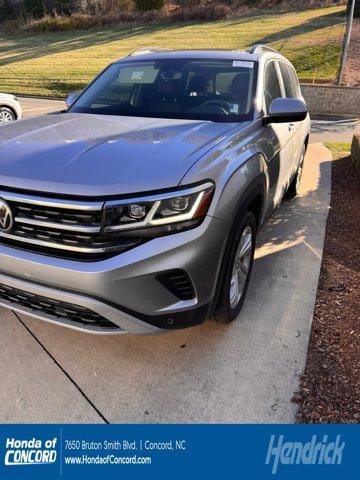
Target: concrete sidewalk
[[244, 372]]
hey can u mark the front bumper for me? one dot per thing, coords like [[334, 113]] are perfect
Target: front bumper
[[123, 289]]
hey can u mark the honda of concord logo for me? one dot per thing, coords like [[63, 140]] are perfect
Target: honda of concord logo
[[30, 452], [6, 217]]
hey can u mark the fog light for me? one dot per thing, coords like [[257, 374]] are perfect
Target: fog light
[[179, 204], [137, 211]]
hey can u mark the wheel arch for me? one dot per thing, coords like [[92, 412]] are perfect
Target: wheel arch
[[253, 199], [245, 185], [307, 141]]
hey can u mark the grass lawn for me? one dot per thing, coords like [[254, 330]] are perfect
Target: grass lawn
[[55, 64], [339, 150]]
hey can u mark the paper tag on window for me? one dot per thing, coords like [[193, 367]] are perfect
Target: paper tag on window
[[137, 75], [243, 63]]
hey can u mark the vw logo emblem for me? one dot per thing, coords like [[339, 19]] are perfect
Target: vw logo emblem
[[6, 217]]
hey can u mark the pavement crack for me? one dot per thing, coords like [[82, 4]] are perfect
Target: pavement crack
[[68, 376]]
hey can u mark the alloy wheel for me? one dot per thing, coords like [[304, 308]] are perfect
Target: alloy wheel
[[300, 169], [241, 266], [6, 116]]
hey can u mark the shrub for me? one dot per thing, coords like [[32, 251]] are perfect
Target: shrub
[[5, 10], [147, 5], [34, 8], [200, 12], [104, 7], [355, 152]]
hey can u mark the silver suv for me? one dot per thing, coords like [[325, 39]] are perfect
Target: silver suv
[[136, 210]]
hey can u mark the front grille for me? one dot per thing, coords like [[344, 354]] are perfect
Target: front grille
[[62, 228], [53, 308], [178, 283]]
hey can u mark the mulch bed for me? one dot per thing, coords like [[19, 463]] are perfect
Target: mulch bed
[[330, 387], [352, 67]]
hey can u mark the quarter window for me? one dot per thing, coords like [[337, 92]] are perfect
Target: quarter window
[[272, 88]]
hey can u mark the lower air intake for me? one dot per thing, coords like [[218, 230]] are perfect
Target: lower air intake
[[56, 309], [178, 283]]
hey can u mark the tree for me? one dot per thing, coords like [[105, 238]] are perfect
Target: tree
[[147, 5], [64, 7], [357, 9]]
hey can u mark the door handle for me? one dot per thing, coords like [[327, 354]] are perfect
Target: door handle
[[291, 126]]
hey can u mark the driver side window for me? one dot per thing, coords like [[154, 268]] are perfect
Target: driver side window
[[272, 87]]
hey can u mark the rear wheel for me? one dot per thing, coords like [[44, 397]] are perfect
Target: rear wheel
[[6, 115], [294, 187], [238, 268]]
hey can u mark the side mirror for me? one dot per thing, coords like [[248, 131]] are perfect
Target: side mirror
[[72, 98], [283, 110]]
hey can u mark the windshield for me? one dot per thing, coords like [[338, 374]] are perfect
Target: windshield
[[216, 90]]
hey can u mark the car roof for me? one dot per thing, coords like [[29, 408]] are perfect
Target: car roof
[[213, 54]]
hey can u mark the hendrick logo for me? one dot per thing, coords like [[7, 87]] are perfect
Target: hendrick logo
[[6, 217], [30, 452], [314, 452]]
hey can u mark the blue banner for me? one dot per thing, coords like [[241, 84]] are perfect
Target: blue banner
[[178, 451]]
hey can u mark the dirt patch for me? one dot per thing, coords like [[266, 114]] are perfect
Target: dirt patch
[[352, 67], [330, 388]]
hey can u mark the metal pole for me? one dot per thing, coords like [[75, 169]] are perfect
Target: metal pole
[[347, 41]]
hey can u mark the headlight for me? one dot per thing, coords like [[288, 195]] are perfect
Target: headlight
[[159, 214]]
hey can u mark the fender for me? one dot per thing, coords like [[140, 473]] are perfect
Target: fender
[[245, 183]]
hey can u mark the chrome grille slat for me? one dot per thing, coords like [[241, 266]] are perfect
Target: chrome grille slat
[[52, 244], [59, 225], [62, 227], [49, 202]]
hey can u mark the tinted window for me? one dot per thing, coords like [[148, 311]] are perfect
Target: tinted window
[[217, 90], [272, 88], [288, 79]]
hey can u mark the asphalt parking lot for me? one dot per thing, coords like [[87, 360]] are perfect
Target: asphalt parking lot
[[244, 372]]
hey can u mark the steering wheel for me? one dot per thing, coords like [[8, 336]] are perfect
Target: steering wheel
[[225, 106]]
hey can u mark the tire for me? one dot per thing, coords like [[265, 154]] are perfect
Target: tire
[[6, 115], [229, 305], [294, 187]]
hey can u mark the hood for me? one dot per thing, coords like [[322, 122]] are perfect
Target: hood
[[97, 155]]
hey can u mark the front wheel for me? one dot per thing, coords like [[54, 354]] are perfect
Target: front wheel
[[239, 261], [6, 115]]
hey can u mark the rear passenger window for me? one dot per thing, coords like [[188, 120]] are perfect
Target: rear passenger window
[[289, 80], [272, 88]]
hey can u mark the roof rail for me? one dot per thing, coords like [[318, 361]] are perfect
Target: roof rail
[[259, 48], [148, 51]]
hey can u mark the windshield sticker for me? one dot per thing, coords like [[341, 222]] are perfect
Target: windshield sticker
[[243, 63], [137, 75]]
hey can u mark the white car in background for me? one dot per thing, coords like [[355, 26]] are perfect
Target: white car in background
[[10, 108]]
